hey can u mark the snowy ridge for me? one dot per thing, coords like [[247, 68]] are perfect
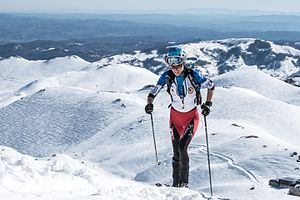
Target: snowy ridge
[[255, 80], [17, 72], [90, 79]]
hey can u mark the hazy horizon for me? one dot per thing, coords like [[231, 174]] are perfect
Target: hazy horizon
[[134, 6]]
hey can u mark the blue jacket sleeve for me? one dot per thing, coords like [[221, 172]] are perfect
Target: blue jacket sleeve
[[159, 85], [202, 80]]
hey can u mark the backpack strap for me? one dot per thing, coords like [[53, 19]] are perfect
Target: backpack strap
[[195, 85], [189, 74], [170, 79]]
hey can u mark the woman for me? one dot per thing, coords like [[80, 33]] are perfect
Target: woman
[[184, 88]]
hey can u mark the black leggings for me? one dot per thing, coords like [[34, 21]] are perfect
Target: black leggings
[[180, 160]]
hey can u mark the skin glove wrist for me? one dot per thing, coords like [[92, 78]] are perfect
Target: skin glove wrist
[[149, 108], [206, 108]]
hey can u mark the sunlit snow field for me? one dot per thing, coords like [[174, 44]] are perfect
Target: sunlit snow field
[[73, 130]]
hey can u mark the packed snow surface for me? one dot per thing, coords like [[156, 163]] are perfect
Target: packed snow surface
[[76, 130]]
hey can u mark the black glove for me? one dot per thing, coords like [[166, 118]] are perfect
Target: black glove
[[206, 108], [149, 108]]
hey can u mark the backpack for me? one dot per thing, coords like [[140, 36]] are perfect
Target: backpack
[[187, 73]]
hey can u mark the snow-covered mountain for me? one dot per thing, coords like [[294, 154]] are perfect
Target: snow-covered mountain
[[71, 129], [220, 56]]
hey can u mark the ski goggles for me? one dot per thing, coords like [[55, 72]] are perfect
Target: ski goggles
[[174, 60]]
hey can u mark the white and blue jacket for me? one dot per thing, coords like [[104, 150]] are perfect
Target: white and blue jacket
[[182, 88]]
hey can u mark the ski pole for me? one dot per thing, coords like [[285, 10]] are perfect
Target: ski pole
[[208, 159], [157, 162]]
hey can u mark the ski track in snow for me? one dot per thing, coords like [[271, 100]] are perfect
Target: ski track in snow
[[231, 163]]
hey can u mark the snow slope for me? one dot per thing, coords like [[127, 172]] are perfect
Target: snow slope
[[253, 79], [17, 72], [61, 177], [93, 120], [69, 108]]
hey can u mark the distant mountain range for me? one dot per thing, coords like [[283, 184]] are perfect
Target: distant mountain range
[[21, 28], [90, 50], [141, 40], [280, 59], [220, 56]]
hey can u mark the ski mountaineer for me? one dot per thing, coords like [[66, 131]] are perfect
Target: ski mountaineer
[[183, 86]]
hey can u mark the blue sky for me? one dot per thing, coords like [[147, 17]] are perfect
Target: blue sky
[[89, 6]]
